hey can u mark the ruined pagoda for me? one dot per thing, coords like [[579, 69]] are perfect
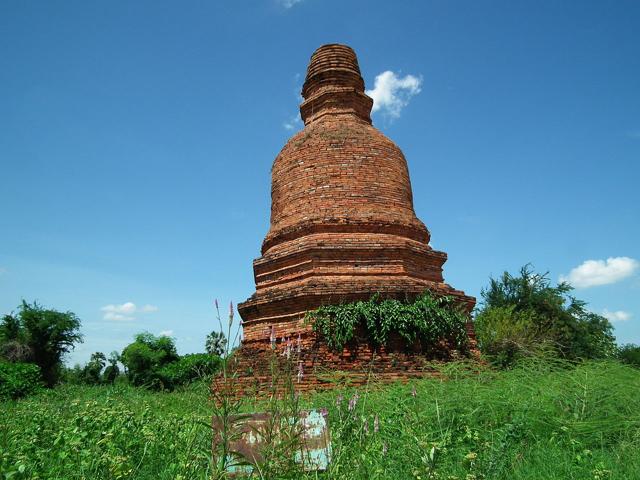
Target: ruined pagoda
[[343, 228]]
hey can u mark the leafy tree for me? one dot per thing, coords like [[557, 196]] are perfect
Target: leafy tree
[[146, 355], [93, 368], [525, 314], [630, 354], [42, 335], [18, 379], [216, 343], [112, 371], [188, 368]]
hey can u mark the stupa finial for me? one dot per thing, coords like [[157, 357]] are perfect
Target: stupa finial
[[334, 85]]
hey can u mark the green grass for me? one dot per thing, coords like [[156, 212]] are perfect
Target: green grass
[[542, 420]]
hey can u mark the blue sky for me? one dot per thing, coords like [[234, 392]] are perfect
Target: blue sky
[[136, 141]]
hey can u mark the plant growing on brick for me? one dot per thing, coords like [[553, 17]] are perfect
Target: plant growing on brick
[[428, 320]]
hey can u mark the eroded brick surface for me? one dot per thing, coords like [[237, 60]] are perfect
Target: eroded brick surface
[[343, 227]]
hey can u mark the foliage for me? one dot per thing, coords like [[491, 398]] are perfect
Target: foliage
[[524, 314], [145, 356], [46, 334], [541, 419], [187, 369], [428, 320], [112, 371], [506, 336], [18, 379], [630, 354], [216, 343], [93, 368], [107, 433]]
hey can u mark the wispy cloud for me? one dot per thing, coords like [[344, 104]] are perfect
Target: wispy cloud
[[391, 93], [592, 273], [125, 311], [294, 123], [166, 333], [617, 316], [288, 3]]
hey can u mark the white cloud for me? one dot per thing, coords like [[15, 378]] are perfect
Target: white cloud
[[288, 3], [125, 311], [601, 272], [617, 316], [391, 93], [118, 317], [166, 333], [293, 123]]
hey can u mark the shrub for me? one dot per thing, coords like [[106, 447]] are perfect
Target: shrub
[[525, 313], [46, 335], [427, 320], [188, 368], [18, 379], [630, 354], [507, 335], [145, 356]]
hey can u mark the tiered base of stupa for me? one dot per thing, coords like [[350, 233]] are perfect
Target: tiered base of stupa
[[332, 268]]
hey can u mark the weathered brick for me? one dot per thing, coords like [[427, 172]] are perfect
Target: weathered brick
[[343, 227]]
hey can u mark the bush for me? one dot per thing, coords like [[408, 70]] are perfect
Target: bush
[[44, 335], [427, 320], [630, 354], [506, 335], [145, 356], [188, 368], [524, 314], [18, 380]]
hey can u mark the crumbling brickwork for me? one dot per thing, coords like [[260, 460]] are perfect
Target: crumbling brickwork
[[343, 227]]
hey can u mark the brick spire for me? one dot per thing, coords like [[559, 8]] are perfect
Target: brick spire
[[334, 85]]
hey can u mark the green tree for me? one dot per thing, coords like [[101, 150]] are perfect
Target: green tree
[[630, 354], [524, 314], [93, 368], [216, 343], [47, 335], [146, 355], [112, 371]]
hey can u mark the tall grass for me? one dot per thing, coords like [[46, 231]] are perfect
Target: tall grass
[[541, 420]]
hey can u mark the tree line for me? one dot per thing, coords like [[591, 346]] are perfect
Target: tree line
[[519, 316], [35, 340]]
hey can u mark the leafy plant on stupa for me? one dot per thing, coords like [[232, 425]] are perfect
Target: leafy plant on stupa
[[428, 320]]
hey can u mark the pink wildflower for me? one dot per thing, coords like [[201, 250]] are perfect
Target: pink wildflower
[[366, 426], [353, 401], [273, 336], [299, 343], [300, 372], [376, 424], [339, 400], [324, 412], [230, 313]]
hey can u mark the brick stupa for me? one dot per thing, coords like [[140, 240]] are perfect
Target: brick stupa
[[343, 227]]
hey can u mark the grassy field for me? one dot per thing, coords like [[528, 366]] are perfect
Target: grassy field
[[542, 420]]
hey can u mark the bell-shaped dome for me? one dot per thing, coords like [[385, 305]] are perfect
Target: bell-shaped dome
[[339, 174]]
